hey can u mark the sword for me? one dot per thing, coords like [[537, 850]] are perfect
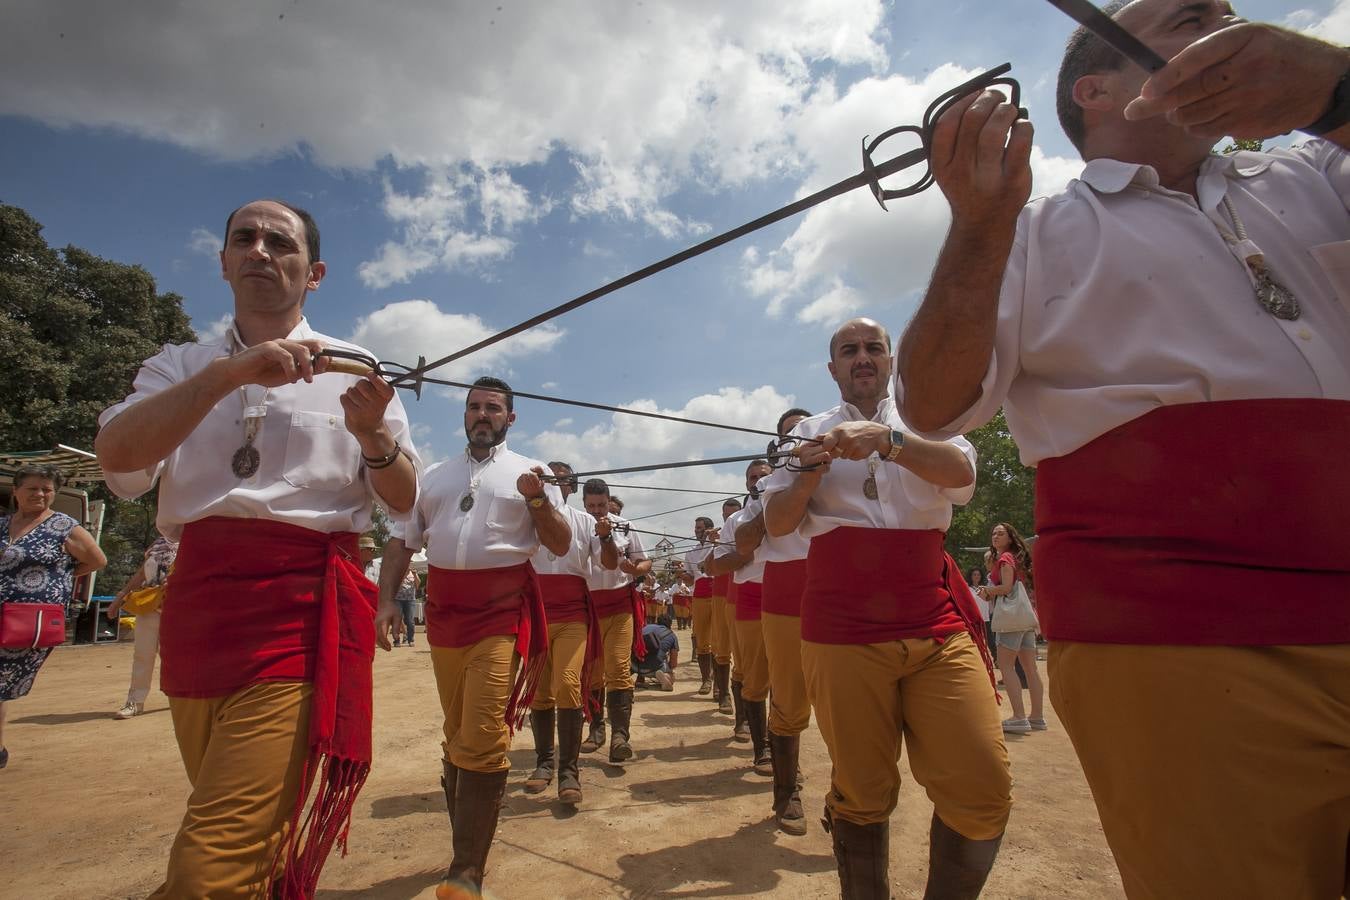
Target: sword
[[1106, 28]]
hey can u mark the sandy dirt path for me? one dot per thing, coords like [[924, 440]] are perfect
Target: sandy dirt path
[[89, 805]]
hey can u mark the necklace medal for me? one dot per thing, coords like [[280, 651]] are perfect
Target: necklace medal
[[466, 503], [870, 483], [1277, 299], [246, 459]]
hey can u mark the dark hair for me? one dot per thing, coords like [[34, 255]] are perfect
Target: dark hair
[[731, 501], [795, 411], [663, 621], [1017, 547], [977, 572], [558, 464], [614, 498], [595, 486], [497, 386], [1084, 54], [311, 227], [707, 522], [755, 463], [50, 473]]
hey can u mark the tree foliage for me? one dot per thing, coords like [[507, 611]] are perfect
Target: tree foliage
[[74, 329], [1004, 492]]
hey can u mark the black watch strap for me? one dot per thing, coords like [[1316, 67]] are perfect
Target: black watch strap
[[1338, 113]]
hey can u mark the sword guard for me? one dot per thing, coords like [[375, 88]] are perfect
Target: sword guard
[[995, 76]]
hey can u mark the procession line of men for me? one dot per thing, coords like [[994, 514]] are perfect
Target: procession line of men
[[1174, 325]]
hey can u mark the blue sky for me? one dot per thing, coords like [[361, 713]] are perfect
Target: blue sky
[[471, 164]]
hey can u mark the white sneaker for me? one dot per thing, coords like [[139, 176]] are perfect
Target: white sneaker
[[1039, 724], [1017, 726], [665, 680], [129, 710]]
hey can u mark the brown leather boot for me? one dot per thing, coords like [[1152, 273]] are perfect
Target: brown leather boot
[[705, 670], [570, 722], [957, 865], [862, 853], [449, 777], [620, 715], [756, 717], [740, 731], [787, 801], [596, 739], [541, 723], [478, 803], [721, 688]]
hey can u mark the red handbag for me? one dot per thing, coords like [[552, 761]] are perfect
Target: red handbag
[[32, 626]]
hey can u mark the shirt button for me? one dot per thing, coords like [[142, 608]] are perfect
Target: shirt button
[[332, 420], [1304, 334]]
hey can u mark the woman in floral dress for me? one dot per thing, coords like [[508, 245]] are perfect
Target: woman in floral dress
[[41, 553]]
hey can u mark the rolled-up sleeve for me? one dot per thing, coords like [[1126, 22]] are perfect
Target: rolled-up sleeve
[[396, 420], [158, 373]]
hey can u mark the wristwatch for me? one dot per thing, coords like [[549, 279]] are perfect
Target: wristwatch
[[897, 444], [1338, 113], [537, 502]]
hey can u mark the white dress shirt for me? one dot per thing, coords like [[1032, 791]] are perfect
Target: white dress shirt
[[1122, 296], [787, 548], [629, 547], [309, 466], [497, 531], [754, 569], [694, 558], [904, 500], [583, 552]]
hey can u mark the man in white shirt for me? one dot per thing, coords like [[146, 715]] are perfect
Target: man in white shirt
[[267, 469], [1170, 339], [574, 646], [620, 616], [892, 644], [723, 636], [481, 516], [750, 682], [691, 575]]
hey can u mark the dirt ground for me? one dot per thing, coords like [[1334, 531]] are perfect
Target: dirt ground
[[90, 805]]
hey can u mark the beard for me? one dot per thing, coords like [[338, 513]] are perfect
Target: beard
[[481, 443]]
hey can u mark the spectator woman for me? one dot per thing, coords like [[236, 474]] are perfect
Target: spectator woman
[[1013, 565], [406, 599], [42, 552], [147, 584], [975, 579]]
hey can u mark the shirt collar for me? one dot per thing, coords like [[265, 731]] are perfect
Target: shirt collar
[[851, 413], [491, 457], [1111, 176], [301, 332]]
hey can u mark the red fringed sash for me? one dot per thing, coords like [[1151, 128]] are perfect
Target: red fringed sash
[[722, 586], [870, 585], [749, 599], [703, 588], [613, 601], [783, 586], [567, 599], [1201, 523], [464, 606], [257, 600]]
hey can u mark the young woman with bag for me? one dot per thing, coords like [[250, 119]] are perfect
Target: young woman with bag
[[1015, 626], [143, 597]]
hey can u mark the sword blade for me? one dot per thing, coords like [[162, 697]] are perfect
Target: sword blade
[[1103, 26]]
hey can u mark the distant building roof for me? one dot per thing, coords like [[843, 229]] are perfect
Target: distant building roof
[[78, 466]]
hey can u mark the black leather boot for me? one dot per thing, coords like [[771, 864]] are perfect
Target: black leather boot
[[705, 671], [787, 801], [570, 722], [541, 723], [596, 739], [478, 803], [756, 717], [957, 866], [740, 731], [862, 853], [449, 777], [721, 687], [620, 714]]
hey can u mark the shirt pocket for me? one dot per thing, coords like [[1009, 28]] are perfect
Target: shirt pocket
[[321, 454], [508, 517], [1334, 261]]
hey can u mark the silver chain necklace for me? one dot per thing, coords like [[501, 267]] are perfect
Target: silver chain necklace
[[1274, 297]]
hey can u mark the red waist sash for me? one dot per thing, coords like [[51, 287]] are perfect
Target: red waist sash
[[613, 601], [568, 599], [254, 600], [783, 586], [464, 606], [1203, 523], [748, 600], [721, 586], [703, 588]]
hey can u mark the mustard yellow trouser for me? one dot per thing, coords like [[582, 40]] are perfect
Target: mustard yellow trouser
[[560, 682], [474, 684], [754, 664], [721, 631], [789, 710], [245, 757], [616, 633], [938, 698], [703, 627], [1218, 772]]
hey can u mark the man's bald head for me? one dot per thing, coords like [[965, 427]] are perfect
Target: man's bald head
[[855, 325]]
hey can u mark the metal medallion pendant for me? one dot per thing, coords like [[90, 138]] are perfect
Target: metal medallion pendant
[[1277, 299], [870, 487], [466, 503], [245, 461]]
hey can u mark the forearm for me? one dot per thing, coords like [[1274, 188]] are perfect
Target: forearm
[[725, 565], [936, 462], [393, 568], [147, 432], [396, 484], [946, 349], [784, 511], [750, 535], [553, 530]]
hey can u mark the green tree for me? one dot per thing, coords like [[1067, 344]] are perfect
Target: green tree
[[74, 329], [1253, 145], [1005, 491]]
